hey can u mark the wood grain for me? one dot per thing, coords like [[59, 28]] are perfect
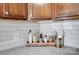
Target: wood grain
[[41, 11], [15, 10]]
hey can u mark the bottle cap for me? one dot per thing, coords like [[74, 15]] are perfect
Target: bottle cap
[[40, 35], [45, 35], [29, 30]]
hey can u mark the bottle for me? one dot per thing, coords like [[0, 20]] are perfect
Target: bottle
[[41, 38], [30, 36], [45, 39], [60, 41], [34, 39]]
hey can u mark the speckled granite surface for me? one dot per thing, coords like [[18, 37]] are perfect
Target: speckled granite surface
[[22, 50]]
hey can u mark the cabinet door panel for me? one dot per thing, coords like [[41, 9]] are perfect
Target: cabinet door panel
[[41, 10], [1, 9], [15, 10], [22, 10], [56, 10], [65, 10], [70, 9]]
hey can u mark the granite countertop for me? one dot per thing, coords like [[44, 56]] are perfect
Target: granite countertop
[[23, 50]]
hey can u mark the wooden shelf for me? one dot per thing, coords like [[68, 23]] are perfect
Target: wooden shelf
[[39, 44]]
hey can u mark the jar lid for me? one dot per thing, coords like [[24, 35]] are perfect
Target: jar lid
[[60, 36]]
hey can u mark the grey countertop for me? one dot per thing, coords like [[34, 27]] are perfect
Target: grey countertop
[[23, 50]]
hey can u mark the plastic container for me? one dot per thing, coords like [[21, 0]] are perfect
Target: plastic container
[[30, 36], [45, 39]]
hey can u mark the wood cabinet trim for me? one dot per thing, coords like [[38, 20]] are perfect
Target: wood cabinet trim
[[71, 17]]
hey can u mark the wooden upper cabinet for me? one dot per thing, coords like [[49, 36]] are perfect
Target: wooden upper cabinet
[[65, 10], [15, 10], [40, 10], [56, 10], [70, 9]]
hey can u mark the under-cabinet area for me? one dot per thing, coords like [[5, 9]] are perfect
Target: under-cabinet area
[[14, 37], [14, 34], [50, 28]]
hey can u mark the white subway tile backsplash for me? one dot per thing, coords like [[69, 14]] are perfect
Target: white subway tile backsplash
[[15, 33], [70, 27]]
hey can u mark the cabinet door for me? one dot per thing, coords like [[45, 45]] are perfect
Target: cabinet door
[[15, 10], [1, 10], [70, 9], [41, 10], [56, 10]]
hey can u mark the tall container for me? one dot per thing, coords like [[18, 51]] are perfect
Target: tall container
[[60, 41], [45, 38], [41, 38], [30, 36]]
